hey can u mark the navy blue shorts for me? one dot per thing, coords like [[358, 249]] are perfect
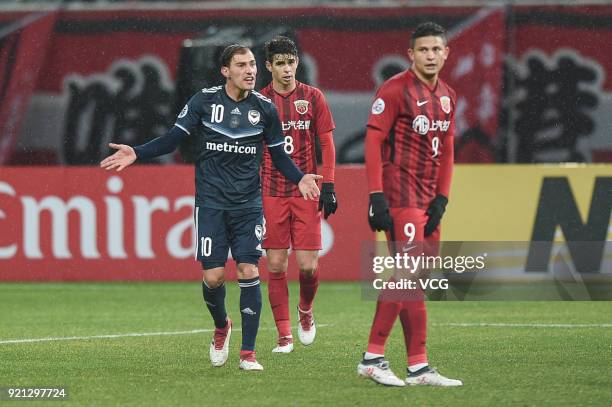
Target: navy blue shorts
[[219, 230]]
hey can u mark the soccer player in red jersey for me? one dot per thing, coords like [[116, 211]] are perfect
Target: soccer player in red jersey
[[409, 159], [289, 219]]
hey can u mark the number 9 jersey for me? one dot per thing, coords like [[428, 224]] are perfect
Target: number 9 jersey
[[418, 150]]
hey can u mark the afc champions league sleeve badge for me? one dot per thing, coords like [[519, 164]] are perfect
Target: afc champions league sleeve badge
[[445, 104], [183, 112], [301, 106], [378, 106]]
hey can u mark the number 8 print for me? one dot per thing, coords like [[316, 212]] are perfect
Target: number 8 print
[[289, 147]]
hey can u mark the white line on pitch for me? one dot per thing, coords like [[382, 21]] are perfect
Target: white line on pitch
[[126, 335], [518, 325]]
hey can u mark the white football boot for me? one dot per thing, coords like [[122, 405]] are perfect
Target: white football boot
[[285, 345], [378, 370], [219, 348], [250, 363], [430, 377], [307, 330]]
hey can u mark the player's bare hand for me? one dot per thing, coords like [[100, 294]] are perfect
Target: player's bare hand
[[124, 157], [308, 186]]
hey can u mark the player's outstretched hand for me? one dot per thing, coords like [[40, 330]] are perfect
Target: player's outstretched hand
[[308, 186], [124, 156], [327, 201]]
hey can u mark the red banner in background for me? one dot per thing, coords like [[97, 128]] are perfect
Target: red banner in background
[[347, 52], [84, 224], [21, 58], [474, 69]]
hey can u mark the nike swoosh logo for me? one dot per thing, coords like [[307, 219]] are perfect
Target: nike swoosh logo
[[371, 212], [406, 248], [421, 102]]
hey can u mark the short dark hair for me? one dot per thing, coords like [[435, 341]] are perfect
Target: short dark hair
[[280, 45], [229, 52], [428, 29]]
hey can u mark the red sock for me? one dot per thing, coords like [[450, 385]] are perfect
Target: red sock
[[278, 294], [413, 317], [384, 318], [308, 290], [247, 355]]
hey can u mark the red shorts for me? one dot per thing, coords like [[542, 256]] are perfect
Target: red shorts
[[291, 221], [409, 228]]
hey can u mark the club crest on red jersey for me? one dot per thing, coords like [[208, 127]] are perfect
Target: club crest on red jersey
[[445, 103], [301, 106]]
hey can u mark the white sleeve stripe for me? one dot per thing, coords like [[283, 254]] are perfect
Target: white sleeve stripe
[[277, 144], [182, 128]]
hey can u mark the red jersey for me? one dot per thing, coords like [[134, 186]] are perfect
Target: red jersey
[[417, 153], [304, 115]]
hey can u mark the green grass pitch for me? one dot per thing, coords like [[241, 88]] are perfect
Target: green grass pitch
[[532, 353]]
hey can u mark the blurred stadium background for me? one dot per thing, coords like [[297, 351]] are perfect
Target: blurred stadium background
[[534, 164]]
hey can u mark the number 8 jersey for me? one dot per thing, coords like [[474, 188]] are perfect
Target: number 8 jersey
[[304, 114]]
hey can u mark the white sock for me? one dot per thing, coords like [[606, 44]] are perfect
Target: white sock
[[417, 367], [370, 356]]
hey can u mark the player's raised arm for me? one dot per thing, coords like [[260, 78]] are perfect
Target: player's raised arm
[[126, 155], [305, 182]]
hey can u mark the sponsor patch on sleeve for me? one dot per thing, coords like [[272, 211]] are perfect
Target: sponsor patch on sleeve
[[183, 112], [378, 106]]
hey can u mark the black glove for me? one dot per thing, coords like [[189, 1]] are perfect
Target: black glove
[[434, 212], [378, 212], [327, 200]]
